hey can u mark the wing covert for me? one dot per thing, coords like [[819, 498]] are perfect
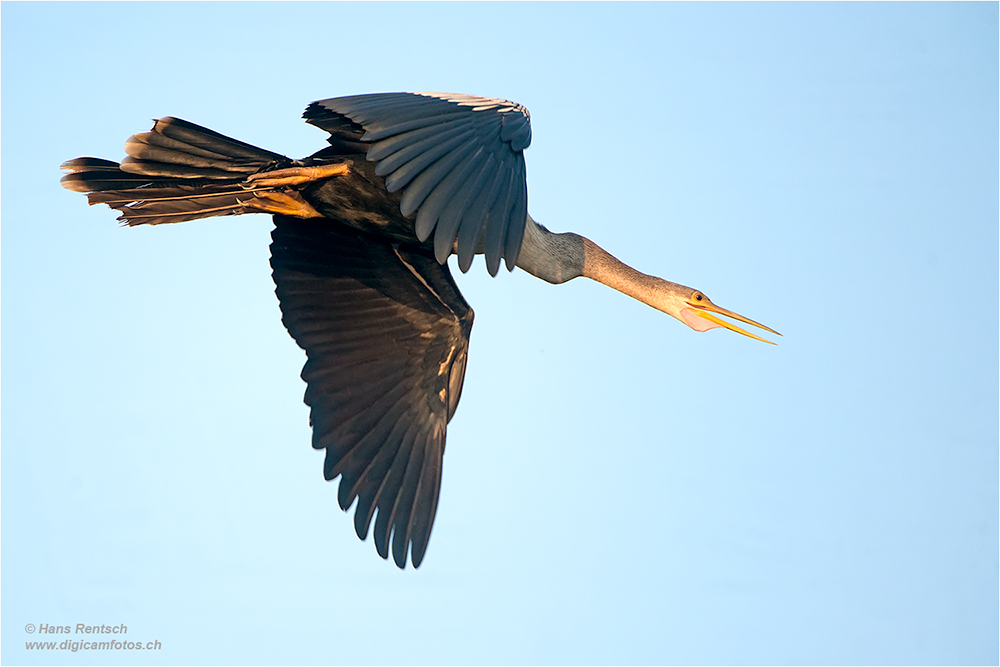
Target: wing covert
[[458, 160]]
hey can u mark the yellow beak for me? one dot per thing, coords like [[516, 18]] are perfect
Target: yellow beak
[[705, 308]]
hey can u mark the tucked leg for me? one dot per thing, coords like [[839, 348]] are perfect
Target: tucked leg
[[295, 176], [284, 203]]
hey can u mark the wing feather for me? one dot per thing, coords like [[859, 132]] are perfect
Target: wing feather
[[435, 182], [368, 427], [448, 202], [385, 152], [518, 220], [370, 482], [403, 518], [391, 487], [381, 130], [471, 228], [416, 167], [426, 499], [386, 335], [496, 222], [413, 134], [359, 471]]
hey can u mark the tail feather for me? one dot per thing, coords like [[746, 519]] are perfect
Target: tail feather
[[177, 172], [179, 169], [140, 150], [156, 139], [91, 174], [202, 137]]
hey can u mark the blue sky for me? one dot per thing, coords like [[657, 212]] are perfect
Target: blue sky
[[617, 488]]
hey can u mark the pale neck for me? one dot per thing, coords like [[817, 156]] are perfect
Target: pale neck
[[605, 268]]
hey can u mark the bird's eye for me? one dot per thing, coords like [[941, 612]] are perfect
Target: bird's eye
[[698, 296]]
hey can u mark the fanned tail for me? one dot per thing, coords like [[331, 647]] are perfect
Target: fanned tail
[[176, 172]]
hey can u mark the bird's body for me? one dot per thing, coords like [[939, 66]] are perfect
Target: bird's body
[[363, 231]]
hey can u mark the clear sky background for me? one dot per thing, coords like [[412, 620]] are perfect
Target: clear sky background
[[617, 488]]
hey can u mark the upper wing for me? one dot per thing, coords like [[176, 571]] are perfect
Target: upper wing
[[458, 159], [386, 333]]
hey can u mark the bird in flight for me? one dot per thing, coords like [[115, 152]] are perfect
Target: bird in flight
[[363, 231]]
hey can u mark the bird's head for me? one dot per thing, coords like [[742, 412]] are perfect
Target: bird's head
[[698, 312]]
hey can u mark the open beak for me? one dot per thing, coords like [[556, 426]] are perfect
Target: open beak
[[704, 309]]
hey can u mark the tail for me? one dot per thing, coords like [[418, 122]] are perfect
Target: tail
[[176, 172]]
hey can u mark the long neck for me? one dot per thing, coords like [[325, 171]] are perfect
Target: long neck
[[557, 258], [605, 268]]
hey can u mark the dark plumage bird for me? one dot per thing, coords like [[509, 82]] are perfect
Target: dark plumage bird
[[363, 232]]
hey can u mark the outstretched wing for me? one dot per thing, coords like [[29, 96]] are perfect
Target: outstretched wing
[[458, 159], [386, 334]]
